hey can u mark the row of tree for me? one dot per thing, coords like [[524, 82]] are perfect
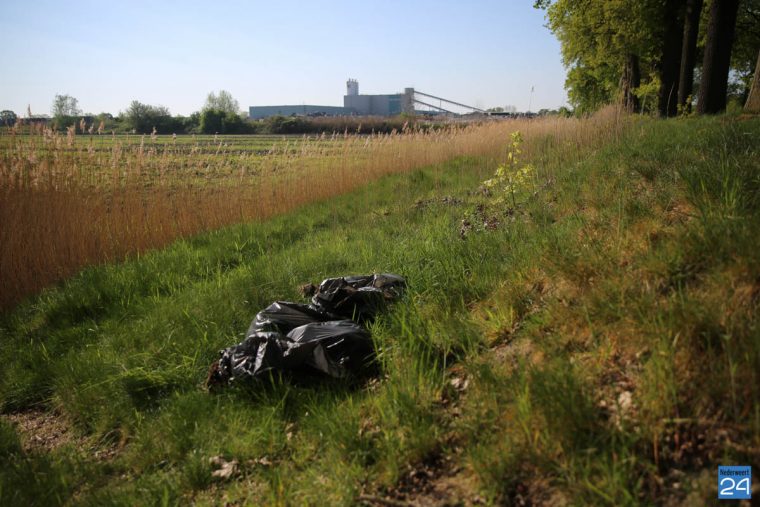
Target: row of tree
[[220, 114], [647, 53]]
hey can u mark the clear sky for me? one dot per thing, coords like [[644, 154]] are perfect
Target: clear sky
[[485, 53]]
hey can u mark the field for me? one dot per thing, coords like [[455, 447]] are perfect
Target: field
[[581, 331], [78, 200]]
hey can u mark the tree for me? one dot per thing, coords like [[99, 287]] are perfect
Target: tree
[[8, 118], [608, 46], [223, 102], [588, 88], [65, 105], [689, 53], [669, 62], [717, 58], [746, 43], [192, 123], [144, 117], [216, 121], [753, 99], [212, 121], [630, 82]]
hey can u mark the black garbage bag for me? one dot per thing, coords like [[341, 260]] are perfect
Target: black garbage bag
[[284, 316], [335, 348], [312, 338], [360, 297], [257, 354]]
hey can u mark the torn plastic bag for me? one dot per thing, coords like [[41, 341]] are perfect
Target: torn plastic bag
[[360, 297], [284, 316], [335, 348]]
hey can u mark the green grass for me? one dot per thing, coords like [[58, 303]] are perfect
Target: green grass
[[631, 269], [252, 143]]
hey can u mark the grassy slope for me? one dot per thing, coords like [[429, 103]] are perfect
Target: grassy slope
[[606, 330]]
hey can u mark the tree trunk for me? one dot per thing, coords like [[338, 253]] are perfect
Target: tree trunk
[[670, 58], [689, 53], [630, 81], [753, 100], [720, 37]]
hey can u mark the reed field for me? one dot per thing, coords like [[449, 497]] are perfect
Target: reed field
[[76, 199]]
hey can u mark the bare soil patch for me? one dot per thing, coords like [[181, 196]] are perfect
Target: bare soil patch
[[42, 431]]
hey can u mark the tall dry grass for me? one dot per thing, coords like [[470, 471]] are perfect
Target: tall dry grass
[[68, 201]]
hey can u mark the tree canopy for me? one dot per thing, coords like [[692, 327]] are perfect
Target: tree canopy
[[65, 105], [598, 39], [8, 117], [622, 50], [224, 102], [142, 118]]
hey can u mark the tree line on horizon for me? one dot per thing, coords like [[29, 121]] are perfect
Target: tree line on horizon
[[220, 114], [658, 55]]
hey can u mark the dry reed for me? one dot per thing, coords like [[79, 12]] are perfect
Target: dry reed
[[71, 201]]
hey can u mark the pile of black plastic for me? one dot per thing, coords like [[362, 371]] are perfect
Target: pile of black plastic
[[327, 336]]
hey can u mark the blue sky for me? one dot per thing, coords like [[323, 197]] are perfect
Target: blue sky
[[483, 53]]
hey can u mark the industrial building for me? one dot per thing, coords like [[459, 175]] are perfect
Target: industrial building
[[361, 105], [258, 112], [375, 105]]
